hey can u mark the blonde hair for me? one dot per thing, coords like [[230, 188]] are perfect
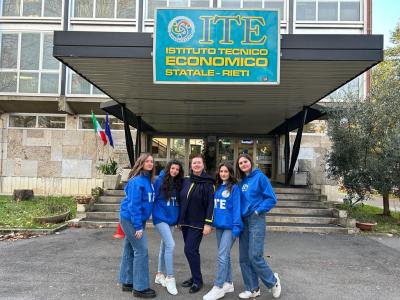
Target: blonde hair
[[139, 164]]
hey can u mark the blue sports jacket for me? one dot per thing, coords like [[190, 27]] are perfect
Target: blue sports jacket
[[227, 213], [256, 194], [164, 210], [138, 202]]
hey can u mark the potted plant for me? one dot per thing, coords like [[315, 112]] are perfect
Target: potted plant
[[111, 179]]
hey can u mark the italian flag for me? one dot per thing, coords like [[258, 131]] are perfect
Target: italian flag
[[98, 130]]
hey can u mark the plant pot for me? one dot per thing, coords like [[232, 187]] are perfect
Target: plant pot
[[111, 182], [365, 226]]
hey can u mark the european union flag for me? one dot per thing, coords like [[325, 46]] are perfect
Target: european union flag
[[108, 132]]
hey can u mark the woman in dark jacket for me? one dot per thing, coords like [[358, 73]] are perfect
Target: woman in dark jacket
[[196, 217]]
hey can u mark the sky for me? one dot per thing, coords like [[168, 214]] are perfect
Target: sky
[[385, 16]]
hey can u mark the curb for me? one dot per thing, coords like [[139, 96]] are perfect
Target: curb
[[33, 231]]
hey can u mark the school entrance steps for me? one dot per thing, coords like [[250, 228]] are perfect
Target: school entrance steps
[[297, 210]]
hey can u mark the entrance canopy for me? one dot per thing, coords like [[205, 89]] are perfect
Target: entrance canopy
[[120, 64]]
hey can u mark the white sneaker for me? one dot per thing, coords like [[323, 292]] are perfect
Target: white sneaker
[[276, 289], [170, 284], [228, 287], [215, 293], [160, 279], [248, 294]]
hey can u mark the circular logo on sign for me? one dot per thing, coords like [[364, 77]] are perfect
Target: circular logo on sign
[[181, 29], [225, 194]]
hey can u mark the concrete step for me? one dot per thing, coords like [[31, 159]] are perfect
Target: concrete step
[[94, 223], [299, 227], [110, 199], [106, 207], [299, 203], [284, 190], [301, 197], [102, 215], [114, 193], [303, 219], [302, 211]]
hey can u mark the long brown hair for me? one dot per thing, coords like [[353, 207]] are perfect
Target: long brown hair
[[138, 167], [239, 173], [231, 181], [172, 182]]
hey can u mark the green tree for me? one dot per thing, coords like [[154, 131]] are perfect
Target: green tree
[[365, 133]]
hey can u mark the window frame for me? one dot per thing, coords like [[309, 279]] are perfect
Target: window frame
[[93, 17], [68, 89], [36, 115], [338, 21], [21, 10], [39, 71]]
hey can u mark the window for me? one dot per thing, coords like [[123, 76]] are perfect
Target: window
[[328, 10], [105, 9], [85, 122], [27, 64], [151, 5], [254, 4], [80, 86], [32, 8], [37, 121]]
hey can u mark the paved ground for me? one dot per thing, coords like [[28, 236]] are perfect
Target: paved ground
[[84, 263]]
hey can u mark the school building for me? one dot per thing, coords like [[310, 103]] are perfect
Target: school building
[[47, 141]]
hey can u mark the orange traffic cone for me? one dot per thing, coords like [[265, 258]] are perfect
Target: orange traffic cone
[[119, 234]]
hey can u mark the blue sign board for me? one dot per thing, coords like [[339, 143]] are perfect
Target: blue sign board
[[216, 46]]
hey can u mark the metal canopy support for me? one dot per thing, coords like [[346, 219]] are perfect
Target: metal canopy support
[[138, 145], [128, 136], [296, 146], [287, 151]]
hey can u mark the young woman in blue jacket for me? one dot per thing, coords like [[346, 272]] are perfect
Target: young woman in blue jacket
[[228, 224], [135, 210], [257, 198], [165, 216], [196, 217]]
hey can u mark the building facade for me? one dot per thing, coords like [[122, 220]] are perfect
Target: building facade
[[47, 139]]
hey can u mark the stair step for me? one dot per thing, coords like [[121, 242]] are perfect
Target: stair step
[[304, 219], [302, 211], [94, 223], [110, 199], [301, 197], [109, 207], [102, 215], [114, 193], [299, 203], [283, 190], [300, 227]]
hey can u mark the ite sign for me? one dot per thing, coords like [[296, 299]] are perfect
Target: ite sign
[[216, 46]]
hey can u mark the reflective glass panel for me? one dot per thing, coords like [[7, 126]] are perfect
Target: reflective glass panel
[[79, 85], [350, 11], [9, 51], [49, 62], [28, 82], [30, 51], [83, 8], [52, 8], [32, 8], [159, 147], [22, 121], [306, 10], [177, 149], [328, 11], [49, 83], [11, 8], [105, 9], [8, 82], [126, 9], [51, 122]]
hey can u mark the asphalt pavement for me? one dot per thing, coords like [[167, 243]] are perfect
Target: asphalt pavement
[[83, 263]]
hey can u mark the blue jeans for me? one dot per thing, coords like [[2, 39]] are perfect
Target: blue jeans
[[251, 253], [225, 242], [135, 259], [167, 245]]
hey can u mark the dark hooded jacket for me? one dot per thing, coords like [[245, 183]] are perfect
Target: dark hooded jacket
[[197, 201]]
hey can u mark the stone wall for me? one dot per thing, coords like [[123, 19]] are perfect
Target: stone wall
[[56, 154]]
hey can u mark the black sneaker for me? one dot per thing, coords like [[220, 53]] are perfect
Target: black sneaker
[[195, 288], [187, 283], [147, 293], [127, 287]]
